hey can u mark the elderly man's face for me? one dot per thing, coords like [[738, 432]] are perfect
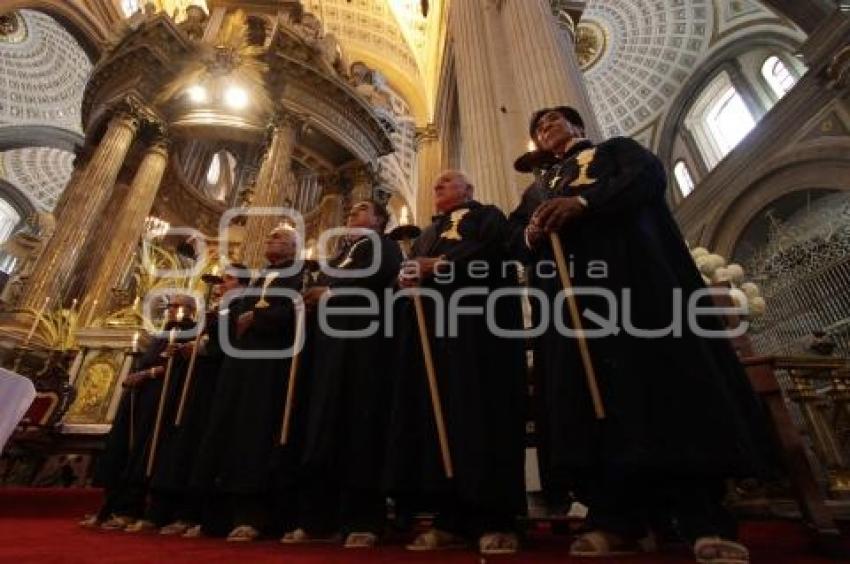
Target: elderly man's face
[[280, 245], [554, 131], [451, 190]]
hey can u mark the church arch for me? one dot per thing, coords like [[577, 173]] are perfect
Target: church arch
[[821, 165]]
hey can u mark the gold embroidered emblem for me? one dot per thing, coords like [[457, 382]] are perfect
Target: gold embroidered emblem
[[452, 232], [584, 160], [262, 303]]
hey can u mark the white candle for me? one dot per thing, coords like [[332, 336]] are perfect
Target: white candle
[[135, 344], [73, 305], [35, 320], [136, 303], [180, 313]]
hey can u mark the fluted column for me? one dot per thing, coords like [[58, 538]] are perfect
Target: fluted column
[[275, 183], [80, 209], [129, 226], [544, 61], [482, 153], [428, 152]]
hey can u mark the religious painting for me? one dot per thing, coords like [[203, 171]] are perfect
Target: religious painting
[[96, 386]]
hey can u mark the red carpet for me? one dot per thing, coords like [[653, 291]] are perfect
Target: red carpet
[[39, 525]]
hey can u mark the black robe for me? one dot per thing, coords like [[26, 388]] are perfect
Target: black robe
[[349, 386], [235, 456], [179, 445], [675, 406], [481, 377], [121, 470]]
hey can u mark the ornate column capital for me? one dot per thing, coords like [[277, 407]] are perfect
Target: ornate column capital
[[425, 135]]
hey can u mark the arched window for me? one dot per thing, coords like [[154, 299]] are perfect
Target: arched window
[[719, 119], [221, 175], [9, 219], [777, 75], [683, 178], [130, 7], [729, 120]]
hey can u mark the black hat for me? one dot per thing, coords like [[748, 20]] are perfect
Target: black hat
[[569, 113]]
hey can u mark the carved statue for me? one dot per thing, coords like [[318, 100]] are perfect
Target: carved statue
[[26, 246], [196, 23]]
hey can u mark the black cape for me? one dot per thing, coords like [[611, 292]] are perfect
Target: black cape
[[675, 406], [349, 386], [235, 456], [481, 377], [121, 466], [180, 444]]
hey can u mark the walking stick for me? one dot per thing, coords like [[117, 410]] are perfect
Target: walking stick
[[404, 234], [300, 322], [586, 361], [210, 280], [161, 408]]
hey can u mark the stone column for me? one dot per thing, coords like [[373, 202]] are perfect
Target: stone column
[[274, 184], [79, 212], [482, 153], [129, 226], [544, 61], [429, 152]]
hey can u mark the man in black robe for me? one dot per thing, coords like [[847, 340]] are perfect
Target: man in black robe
[[235, 457], [175, 506], [679, 411], [122, 468], [346, 418], [481, 380]]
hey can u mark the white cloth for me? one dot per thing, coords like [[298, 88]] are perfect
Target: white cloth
[[16, 395]]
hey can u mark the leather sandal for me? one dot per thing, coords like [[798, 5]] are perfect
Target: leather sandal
[[498, 543], [243, 533], [436, 539], [714, 550], [601, 544]]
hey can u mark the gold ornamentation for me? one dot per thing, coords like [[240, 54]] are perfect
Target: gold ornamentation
[[13, 28], [584, 160], [591, 44], [95, 388], [262, 303], [452, 232]]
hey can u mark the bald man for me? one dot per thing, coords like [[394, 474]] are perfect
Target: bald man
[[480, 379]]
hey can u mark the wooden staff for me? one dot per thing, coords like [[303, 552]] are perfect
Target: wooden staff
[[310, 266], [293, 374], [404, 234], [587, 362], [161, 408], [210, 280]]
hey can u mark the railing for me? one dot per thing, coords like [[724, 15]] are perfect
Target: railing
[[802, 305]]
